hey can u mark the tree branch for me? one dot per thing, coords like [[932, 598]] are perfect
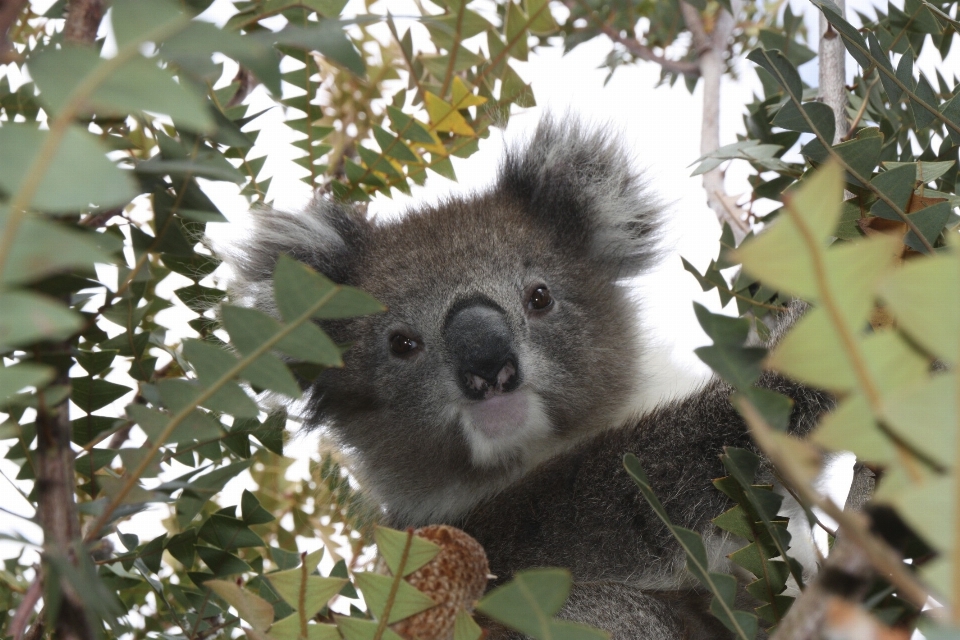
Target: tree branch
[[83, 21], [711, 49], [640, 50], [56, 506], [833, 90], [634, 46], [846, 564], [9, 10]]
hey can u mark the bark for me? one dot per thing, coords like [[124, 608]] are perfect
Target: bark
[[57, 508], [847, 564], [711, 53], [9, 10], [83, 21], [56, 499], [833, 90]]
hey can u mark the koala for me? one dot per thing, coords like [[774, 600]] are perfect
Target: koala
[[497, 392]]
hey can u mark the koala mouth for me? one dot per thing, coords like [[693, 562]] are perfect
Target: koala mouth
[[500, 414]]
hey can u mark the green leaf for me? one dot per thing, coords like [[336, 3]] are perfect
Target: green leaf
[[95, 362], [43, 248], [229, 398], [306, 593], [198, 40], [897, 184], [14, 379], [133, 20], [781, 256], [722, 586], [79, 174], [249, 328], [138, 85], [780, 68], [199, 298], [851, 427], [328, 38], [197, 426], [86, 428], [290, 628], [820, 116], [91, 393], [228, 533], [925, 416], [297, 288], [930, 221], [252, 512], [359, 629], [221, 562], [253, 609], [527, 602], [861, 154], [919, 287], [27, 317], [465, 628], [392, 543], [407, 600]]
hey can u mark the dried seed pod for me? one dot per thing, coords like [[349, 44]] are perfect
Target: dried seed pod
[[455, 579]]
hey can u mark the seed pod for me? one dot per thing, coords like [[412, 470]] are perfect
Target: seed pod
[[455, 579]]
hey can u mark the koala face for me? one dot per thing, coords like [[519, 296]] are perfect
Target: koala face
[[507, 336]]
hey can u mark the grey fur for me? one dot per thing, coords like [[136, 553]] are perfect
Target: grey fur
[[567, 212]]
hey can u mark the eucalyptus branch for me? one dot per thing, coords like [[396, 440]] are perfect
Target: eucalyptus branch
[[83, 21], [833, 91], [711, 49], [133, 476], [828, 146], [394, 588], [37, 171], [9, 11], [855, 526], [908, 91]]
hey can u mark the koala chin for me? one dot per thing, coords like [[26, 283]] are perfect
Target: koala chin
[[495, 393]]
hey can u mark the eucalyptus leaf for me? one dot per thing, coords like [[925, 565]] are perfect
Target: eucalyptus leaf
[[77, 177]]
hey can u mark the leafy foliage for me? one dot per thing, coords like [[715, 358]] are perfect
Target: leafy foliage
[[105, 156]]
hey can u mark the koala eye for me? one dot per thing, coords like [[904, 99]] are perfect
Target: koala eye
[[540, 299], [402, 345]]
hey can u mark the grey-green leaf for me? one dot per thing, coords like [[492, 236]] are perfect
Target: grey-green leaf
[[78, 176]]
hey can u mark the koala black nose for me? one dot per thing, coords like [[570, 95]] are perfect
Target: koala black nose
[[481, 343]]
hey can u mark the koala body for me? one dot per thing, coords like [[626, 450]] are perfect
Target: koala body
[[496, 393]]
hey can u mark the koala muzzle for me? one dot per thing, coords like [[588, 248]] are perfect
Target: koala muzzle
[[480, 341]]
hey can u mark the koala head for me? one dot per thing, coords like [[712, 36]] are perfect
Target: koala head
[[507, 336]]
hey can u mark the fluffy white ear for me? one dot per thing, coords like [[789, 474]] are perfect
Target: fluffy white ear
[[327, 236], [581, 183]]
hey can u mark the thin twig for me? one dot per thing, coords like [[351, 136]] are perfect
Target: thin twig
[[23, 613]]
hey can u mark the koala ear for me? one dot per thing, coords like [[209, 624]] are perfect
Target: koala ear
[[328, 236], [581, 183]]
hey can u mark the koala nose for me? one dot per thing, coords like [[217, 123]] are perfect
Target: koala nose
[[481, 342]]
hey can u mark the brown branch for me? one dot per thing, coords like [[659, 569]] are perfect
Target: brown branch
[[855, 526], [633, 45], [56, 505], [25, 610], [83, 21], [805, 619], [9, 11], [100, 219], [640, 50]]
